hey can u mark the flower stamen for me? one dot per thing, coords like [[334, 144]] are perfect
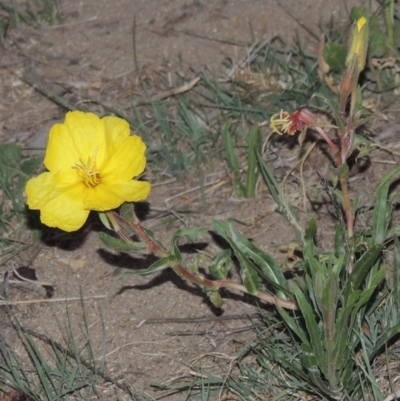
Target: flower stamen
[[280, 122], [87, 172]]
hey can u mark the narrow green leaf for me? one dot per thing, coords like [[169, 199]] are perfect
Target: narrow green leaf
[[248, 271], [387, 335], [232, 161], [311, 230], [252, 163], [340, 353], [293, 325], [380, 222], [104, 219], [388, 178], [392, 232], [308, 357], [284, 206], [312, 328], [188, 233], [361, 269], [161, 264], [265, 264], [121, 246], [270, 180], [310, 362], [340, 248], [326, 290], [396, 273]]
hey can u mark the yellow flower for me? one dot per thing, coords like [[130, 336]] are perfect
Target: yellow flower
[[91, 163]]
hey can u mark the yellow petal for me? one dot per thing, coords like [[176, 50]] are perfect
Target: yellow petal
[[59, 197], [125, 162], [116, 130], [106, 197], [78, 138]]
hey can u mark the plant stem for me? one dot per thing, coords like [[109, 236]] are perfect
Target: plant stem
[[118, 222], [340, 160]]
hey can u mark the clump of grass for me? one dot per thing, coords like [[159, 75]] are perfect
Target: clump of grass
[[15, 170], [28, 12]]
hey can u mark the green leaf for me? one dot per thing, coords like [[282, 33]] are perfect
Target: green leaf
[[248, 271], [310, 362], [326, 290], [221, 264], [377, 39], [388, 178], [396, 273], [265, 263], [293, 325], [104, 219], [188, 233], [380, 220], [10, 158], [340, 248], [356, 13], [361, 269], [232, 161], [161, 264], [312, 329], [215, 298], [128, 211], [284, 206], [121, 246], [29, 166], [335, 55], [363, 145], [253, 169], [311, 230], [387, 335], [341, 352]]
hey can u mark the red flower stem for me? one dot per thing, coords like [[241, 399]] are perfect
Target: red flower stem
[[328, 140], [117, 221], [341, 157], [344, 185]]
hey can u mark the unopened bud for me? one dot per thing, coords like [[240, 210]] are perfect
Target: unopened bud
[[358, 43]]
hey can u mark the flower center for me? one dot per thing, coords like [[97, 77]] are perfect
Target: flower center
[[87, 171]]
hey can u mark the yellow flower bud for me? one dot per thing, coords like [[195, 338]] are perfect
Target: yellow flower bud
[[358, 43]]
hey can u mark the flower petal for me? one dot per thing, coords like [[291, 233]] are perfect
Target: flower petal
[[78, 138], [106, 197], [125, 162], [116, 129], [59, 197]]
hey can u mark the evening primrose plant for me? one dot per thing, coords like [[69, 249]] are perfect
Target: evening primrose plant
[[329, 310]]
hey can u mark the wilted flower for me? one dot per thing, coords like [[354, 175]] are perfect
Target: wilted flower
[[91, 163], [285, 123]]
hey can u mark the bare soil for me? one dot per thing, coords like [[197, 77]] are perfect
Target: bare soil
[[90, 54]]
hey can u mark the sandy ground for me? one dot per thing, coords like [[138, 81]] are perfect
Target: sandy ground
[[91, 54]]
